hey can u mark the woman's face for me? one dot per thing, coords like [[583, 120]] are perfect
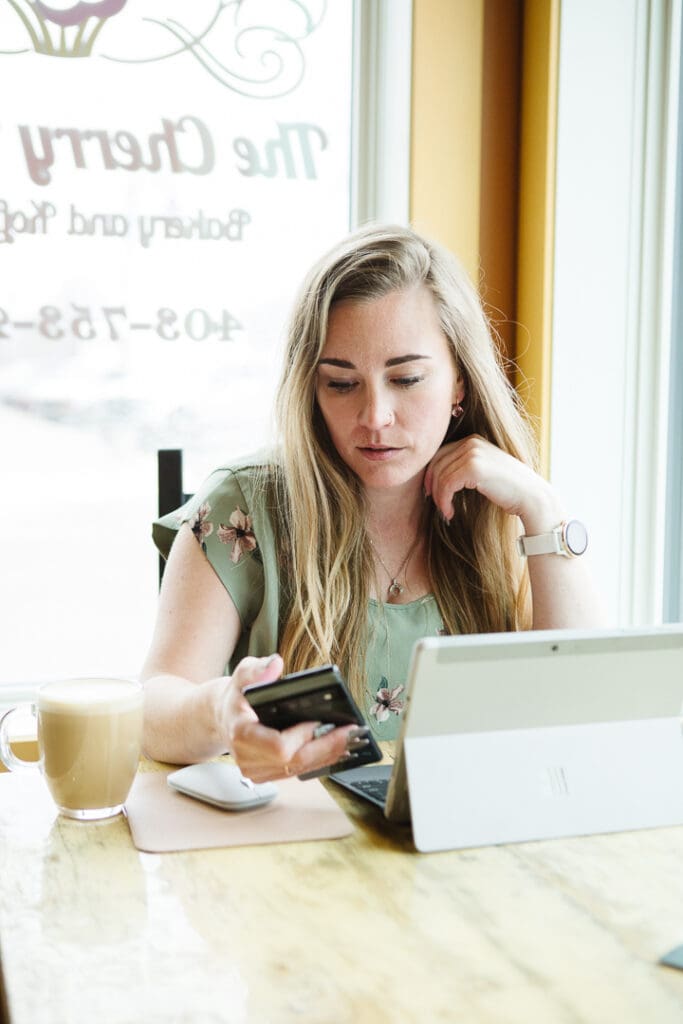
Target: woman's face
[[386, 384]]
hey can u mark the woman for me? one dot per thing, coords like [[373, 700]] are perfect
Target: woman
[[390, 510]]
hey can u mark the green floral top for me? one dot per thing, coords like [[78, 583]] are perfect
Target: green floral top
[[230, 520]]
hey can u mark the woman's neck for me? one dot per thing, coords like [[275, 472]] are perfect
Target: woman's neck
[[399, 510], [396, 529]]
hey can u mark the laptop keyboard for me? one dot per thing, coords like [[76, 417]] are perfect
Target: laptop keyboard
[[371, 782], [373, 789]]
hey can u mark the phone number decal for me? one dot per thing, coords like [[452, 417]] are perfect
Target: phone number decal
[[88, 323]]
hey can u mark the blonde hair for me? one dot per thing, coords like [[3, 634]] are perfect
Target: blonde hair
[[326, 569]]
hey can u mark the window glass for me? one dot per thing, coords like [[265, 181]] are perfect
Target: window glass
[[169, 172]]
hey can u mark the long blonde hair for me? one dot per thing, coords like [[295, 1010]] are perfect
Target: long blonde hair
[[326, 565]]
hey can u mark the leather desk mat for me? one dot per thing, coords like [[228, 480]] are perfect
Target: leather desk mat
[[162, 820]]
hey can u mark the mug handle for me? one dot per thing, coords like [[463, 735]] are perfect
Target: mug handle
[[7, 755]]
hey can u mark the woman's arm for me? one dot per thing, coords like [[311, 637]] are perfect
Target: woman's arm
[[563, 594], [562, 590], [192, 711], [196, 632]]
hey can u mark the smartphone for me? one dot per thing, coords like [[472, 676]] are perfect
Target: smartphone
[[315, 695]]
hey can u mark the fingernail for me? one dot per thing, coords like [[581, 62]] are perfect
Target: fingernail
[[358, 731], [353, 745], [322, 729]]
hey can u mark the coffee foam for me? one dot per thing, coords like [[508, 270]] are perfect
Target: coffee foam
[[88, 696]]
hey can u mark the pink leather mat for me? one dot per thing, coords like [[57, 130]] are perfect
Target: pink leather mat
[[162, 820]]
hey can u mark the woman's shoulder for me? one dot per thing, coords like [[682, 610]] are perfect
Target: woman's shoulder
[[229, 498], [231, 517]]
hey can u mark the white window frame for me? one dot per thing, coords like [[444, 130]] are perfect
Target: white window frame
[[673, 563], [380, 173], [612, 300]]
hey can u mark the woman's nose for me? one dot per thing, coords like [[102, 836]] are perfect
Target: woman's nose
[[376, 410]]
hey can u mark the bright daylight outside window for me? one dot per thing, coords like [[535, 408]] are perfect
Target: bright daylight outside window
[[169, 171]]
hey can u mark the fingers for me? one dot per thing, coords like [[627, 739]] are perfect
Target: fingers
[[257, 670], [455, 467], [475, 464], [327, 749], [265, 754], [236, 710]]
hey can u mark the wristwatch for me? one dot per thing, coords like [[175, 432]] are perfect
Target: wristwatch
[[569, 539]]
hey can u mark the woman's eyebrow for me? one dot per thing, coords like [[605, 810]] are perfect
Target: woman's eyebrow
[[346, 365], [405, 359]]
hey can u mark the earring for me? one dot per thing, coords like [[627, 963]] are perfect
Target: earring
[[457, 411]]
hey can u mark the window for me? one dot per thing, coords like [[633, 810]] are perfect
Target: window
[[614, 274], [167, 178]]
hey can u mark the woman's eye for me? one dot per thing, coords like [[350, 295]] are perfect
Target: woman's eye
[[340, 385], [407, 382]]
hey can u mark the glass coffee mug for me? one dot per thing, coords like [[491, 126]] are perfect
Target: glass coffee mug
[[89, 743]]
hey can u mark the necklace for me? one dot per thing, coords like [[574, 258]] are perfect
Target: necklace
[[395, 587]]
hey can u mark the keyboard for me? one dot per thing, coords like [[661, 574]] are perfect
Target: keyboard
[[370, 782], [372, 789]]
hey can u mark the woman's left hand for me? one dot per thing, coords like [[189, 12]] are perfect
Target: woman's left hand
[[563, 595], [473, 463]]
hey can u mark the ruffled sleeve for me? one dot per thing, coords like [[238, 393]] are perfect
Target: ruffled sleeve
[[231, 521]]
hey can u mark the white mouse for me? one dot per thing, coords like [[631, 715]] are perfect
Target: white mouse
[[222, 785]]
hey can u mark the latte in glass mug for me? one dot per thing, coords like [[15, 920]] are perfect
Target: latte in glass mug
[[89, 741]]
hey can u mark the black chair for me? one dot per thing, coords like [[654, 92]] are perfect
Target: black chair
[[169, 487], [4, 1008]]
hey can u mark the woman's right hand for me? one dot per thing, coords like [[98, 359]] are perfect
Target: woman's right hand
[[263, 754]]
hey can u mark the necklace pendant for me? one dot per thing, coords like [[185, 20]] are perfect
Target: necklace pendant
[[395, 588]]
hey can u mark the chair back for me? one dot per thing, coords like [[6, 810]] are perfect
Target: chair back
[[169, 487], [4, 1008]]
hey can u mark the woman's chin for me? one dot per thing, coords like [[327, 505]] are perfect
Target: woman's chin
[[389, 477]]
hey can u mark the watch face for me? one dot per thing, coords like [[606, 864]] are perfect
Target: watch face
[[575, 537]]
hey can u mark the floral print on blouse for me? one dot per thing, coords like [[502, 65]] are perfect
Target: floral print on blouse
[[239, 534], [386, 701], [199, 524], [394, 628]]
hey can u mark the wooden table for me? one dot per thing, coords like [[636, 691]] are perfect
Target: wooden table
[[361, 929]]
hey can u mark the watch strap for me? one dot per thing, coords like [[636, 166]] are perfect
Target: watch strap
[[569, 538], [541, 544]]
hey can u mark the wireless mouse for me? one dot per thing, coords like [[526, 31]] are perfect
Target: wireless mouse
[[222, 785]]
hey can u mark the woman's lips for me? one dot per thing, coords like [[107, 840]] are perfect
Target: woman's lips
[[379, 454]]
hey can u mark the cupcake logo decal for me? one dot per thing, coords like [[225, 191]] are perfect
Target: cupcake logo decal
[[84, 20], [253, 47]]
